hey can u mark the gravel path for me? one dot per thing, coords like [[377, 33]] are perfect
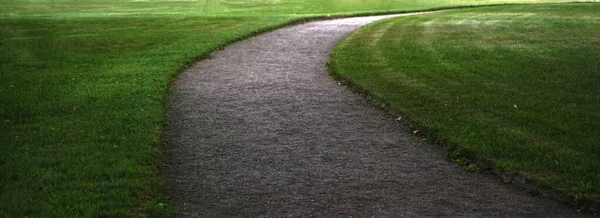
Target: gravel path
[[260, 129]]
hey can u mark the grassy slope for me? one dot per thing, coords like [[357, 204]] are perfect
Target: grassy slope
[[82, 85], [517, 85]]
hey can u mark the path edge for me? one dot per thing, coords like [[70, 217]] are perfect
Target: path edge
[[480, 165]]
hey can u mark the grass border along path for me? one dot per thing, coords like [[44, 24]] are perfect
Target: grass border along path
[[515, 86]]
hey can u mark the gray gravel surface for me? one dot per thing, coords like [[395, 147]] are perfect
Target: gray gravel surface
[[259, 129]]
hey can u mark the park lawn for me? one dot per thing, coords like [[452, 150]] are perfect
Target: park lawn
[[517, 86], [82, 89]]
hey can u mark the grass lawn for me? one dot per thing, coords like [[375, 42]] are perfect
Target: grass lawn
[[82, 87], [515, 85]]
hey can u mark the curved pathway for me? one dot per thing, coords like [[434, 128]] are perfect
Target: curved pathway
[[260, 129]]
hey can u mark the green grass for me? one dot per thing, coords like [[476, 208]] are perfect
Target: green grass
[[83, 83], [224, 8], [515, 85]]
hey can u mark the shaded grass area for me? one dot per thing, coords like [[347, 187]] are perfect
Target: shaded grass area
[[82, 85], [515, 85]]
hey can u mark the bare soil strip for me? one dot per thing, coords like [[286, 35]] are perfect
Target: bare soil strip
[[260, 129]]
